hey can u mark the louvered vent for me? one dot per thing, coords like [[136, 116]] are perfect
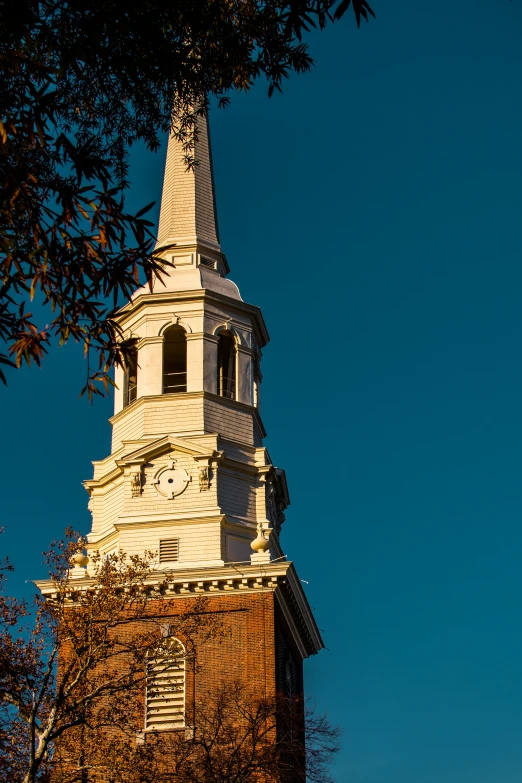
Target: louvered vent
[[168, 549], [207, 262], [166, 688]]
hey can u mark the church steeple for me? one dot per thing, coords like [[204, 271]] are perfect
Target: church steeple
[[188, 475], [189, 479], [188, 216]]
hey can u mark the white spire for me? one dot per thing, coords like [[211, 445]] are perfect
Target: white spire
[[188, 208]]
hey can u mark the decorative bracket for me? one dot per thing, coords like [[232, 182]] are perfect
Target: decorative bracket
[[205, 464], [136, 484], [204, 477]]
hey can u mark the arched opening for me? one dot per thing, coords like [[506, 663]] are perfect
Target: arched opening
[[165, 697], [130, 377], [226, 380], [174, 360]]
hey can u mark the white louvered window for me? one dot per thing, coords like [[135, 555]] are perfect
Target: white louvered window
[[168, 550], [165, 701]]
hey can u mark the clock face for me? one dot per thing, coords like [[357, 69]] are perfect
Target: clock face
[[172, 481]]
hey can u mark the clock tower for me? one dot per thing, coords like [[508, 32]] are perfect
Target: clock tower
[[188, 476]]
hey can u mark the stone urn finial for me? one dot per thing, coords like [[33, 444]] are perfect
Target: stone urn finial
[[79, 559], [260, 544], [79, 562]]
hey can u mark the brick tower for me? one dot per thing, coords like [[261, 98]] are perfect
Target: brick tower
[[188, 476]]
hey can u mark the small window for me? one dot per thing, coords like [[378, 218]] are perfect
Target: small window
[[168, 550], [130, 384], [207, 262], [165, 696], [174, 361], [226, 380]]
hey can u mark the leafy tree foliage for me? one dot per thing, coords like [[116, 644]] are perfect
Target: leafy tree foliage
[[80, 82]]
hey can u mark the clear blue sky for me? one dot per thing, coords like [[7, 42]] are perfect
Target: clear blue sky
[[374, 213]]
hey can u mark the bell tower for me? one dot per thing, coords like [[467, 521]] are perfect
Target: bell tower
[[188, 477]]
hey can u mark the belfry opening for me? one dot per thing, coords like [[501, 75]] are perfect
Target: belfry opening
[[226, 366], [174, 360]]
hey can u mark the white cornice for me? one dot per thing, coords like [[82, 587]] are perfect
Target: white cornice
[[279, 578], [108, 478], [141, 300], [290, 621], [108, 538], [172, 245], [149, 519]]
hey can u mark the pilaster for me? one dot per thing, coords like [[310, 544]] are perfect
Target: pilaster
[[210, 352], [201, 362], [244, 375], [119, 380], [150, 366], [194, 362]]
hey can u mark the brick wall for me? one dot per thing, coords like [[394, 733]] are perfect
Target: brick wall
[[252, 649]]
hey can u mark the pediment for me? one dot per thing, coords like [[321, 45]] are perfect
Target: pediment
[[136, 458], [164, 445]]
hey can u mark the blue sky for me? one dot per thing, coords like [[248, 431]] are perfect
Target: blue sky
[[373, 213]]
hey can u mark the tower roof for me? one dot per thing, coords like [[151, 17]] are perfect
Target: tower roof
[[188, 205]]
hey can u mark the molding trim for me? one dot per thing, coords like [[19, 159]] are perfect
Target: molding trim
[[149, 520], [174, 321], [279, 578], [141, 300]]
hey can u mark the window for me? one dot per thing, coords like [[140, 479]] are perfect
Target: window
[[174, 361], [207, 262], [226, 380], [165, 699], [130, 384], [168, 550]]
